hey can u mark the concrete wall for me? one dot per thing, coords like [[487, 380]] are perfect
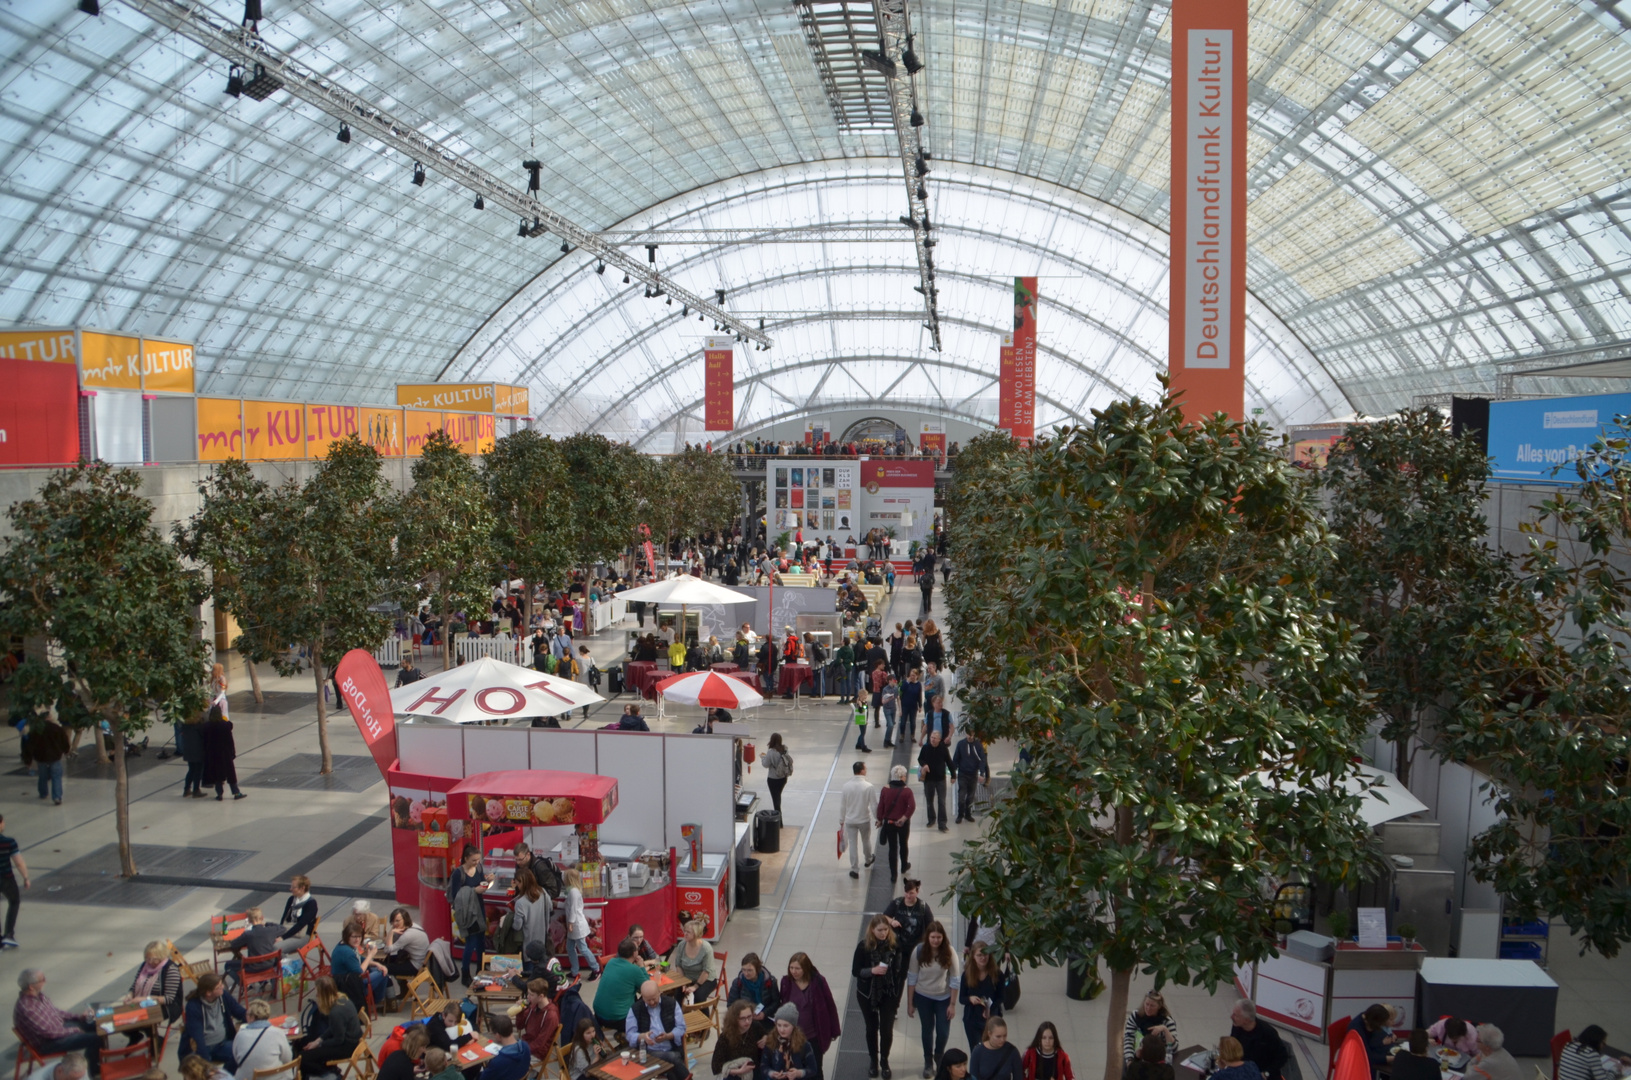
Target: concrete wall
[[174, 488]]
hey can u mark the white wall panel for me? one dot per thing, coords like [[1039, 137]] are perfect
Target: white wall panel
[[433, 751]]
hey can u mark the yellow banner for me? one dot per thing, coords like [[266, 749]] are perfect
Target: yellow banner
[[110, 362], [51, 346], [381, 429], [474, 433], [511, 400], [167, 367], [274, 430], [220, 434], [417, 426], [466, 397], [327, 424]]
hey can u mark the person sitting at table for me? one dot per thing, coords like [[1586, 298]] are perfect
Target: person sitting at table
[[211, 1019], [158, 978], [619, 985], [583, 1050], [332, 1027], [756, 986], [1232, 1063], [258, 1044], [741, 1035], [1455, 1033], [540, 1020], [707, 725], [645, 649], [1150, 1018], [299, 915], [1585, 1059], [402, 1063], [644, 954], [70, 1066], [355, 969], [1372, 1028], [513, 1060], [1493, 1062], [694, 958], [1413, 1063], [448, 1030], [1263, 1045], [788, 1054], [405, 946], [50, 1030], [656, 1023], [259, 939], [439, 1065]]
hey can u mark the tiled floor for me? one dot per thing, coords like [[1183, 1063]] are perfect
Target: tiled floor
[[339, 836]]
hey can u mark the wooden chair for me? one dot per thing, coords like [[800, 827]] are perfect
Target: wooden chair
[[1333, 1042], [314, 965], [702, 1017], [423, 998], [1559, 1041], [361, 1064], [270, 976], [29, 1057], [189, 969], [291, 1071]]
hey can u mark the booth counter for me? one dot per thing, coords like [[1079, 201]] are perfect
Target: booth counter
[[1306, 996]]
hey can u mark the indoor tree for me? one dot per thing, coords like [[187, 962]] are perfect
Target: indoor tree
[[329, 568], [86, 568], [531, 505], [1150, 626], [226, 536], [1413, 568], [445, 535], [605, 478]]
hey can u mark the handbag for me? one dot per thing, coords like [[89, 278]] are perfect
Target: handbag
[[1010, 983], [842, 843]]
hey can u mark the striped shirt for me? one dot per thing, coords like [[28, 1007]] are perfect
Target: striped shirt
[[1580, 1062]]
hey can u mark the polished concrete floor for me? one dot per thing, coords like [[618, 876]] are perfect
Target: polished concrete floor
[[87, 929]]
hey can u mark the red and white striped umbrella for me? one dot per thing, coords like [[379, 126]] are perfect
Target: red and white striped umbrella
[[711, 690]]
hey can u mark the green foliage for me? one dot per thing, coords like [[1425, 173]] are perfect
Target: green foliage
[[606, 482], [227, 536], [1148, 622], [1413, 570], [328, 559], [692, 492], [445, 540], [86, 568], [1546, 710], [530, 495]]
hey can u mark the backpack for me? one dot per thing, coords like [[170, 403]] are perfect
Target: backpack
[[548, 877]]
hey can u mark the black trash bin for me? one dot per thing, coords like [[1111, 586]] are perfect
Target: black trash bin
[[1081, 979], [747, 884], [767, 832]]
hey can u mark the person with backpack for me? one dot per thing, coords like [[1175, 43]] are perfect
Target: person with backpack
[[911, 700], [972, 767], [877, 678], [842, 659], [778, 767]]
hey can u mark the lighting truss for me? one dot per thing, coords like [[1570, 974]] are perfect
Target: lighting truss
[[243, 46], [840, 34], [819, 233], [895, 34]]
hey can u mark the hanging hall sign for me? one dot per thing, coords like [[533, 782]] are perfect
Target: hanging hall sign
[[719, 404], [1208, 301]]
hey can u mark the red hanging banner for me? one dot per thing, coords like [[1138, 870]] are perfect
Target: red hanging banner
[[1023, 425], [719, 403], [362, 688], [1207, 305]]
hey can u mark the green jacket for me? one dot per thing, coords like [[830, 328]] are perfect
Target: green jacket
[[619, 986], [845, 656]]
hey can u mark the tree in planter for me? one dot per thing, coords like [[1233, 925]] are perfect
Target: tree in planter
[[1158, 640], [533, 522], [605, 480], [86, 568], [1413, 570], [445, 541], [226, 535], [690, 493], [1546, 710], [328, 559]]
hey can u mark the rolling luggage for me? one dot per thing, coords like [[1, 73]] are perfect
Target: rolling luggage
[[614, 680]]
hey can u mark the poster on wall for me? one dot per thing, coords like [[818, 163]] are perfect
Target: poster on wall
[[931, 437], [898, 495], [1539, 439], [813, 497], [39, 413]]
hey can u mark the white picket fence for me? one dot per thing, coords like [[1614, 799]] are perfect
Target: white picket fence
[[509, 650], [390, 653]]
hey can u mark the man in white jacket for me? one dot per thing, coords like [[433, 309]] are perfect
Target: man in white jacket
[[860, 807]]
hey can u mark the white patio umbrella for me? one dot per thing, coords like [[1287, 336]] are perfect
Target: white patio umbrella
[[684, 590], [1382, 799], [711, 690], [488, 689]]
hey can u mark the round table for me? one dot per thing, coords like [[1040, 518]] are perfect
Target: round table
[[792, 677], [641, 676], [724, 669]]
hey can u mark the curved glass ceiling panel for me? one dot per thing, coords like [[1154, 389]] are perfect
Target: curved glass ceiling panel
[[846, 320]]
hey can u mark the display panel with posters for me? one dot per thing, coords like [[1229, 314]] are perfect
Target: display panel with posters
[[110, 361]]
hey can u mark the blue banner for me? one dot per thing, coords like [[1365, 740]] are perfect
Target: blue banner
[[1529, 440]]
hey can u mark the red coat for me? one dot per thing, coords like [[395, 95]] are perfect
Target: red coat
[[818, 1014], [895, 802], [1059, 1055]]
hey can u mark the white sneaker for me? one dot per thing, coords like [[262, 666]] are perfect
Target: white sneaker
[[9, 943]]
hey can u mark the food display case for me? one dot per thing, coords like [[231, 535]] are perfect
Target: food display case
[[705, 893]]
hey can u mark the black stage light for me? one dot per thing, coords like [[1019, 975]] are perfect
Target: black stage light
[[909, 222], [651, 253], [345, 132], [90, 7], [922, 193], [565, 248], [917, 118], [418, 175], [721, 294], [235, 80], [601, 268], [523, 231], [252, 12], [909, 58], [481, 204], [670, 301], [533, 168], [685, 310], [262, 86], [922, 164], [625, 279], [699, 318]]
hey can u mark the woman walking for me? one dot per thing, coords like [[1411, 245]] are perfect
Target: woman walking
[[981, 993], [778, 766], [190, 748], [934, 974], [220, 752], [876, 971], [806, 989]]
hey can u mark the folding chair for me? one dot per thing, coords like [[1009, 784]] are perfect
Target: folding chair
[[423, 998], [290, 1071], [1333, 1041], [271, 975], [190, 969], [29, 1057], [1559, 1041], [314, 965], [361, 1064]]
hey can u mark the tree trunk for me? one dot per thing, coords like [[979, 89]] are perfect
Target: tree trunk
[[254, 678], [447, 637], [121, 802], [1120, 981], [1401, 749], [322, 716]]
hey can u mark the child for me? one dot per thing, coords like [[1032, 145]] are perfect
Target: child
[[439, 1067], [859, 719], [582, 1053]]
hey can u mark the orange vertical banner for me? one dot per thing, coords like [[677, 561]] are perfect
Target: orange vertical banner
[[1207, 305], [1024, 363], [718, 392], [1005, 384]]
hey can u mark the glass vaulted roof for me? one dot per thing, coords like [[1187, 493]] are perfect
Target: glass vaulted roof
[[1435, 187]]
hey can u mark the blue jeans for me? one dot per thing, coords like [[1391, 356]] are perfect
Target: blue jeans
[[576, 947], [51, 776], [87, 1041], [889, 724], [194, 780], [936, 1024], [474, 945], [379, 981]]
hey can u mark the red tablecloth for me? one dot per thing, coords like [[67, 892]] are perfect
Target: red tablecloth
[[791, 677], [641, 676], [751, 678], [725, 669]]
